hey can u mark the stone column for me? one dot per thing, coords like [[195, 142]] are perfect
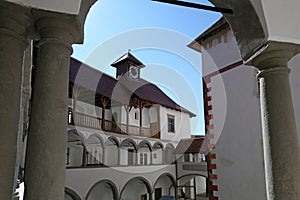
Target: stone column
[[14, 21], [279, 131], [45, 160]]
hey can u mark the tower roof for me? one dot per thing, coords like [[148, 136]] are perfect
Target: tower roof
[[127, 57]]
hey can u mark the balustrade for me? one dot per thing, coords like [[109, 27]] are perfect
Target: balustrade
[[95, 122]]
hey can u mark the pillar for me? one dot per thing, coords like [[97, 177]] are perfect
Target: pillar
[[14, 21], [45, 159], [280, 141]]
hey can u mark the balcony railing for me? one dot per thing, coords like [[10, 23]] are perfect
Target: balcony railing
[[88, 121]]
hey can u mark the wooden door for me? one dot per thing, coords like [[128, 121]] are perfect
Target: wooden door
[[144, 197], [158, 193]]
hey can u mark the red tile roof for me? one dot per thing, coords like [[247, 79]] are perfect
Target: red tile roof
[[191, 145]]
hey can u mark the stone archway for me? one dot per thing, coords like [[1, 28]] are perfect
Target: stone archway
[[104, 189], [162, 186], [136, 188], [71, 195]]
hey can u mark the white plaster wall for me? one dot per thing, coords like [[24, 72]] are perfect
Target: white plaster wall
[[63, 6], [123, 115], [116, 112], [237, 126], [153, 117], [136, 122], [239, 147], [200, 185], [124, 155], [182, 124], [214, 55], [159, 156], [111, 153], [75, 154]]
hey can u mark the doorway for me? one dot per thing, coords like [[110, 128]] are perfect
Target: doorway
[[158, 193]]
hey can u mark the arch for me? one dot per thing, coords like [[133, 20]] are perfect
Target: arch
[[169, 175], [157, 144], [169, 153], [128, 152], [113, 138], [75, 149], [163, 184], [144, 142], [77, 133], [129, 140], [136, 188], [158, 153], [250, 37], [111, 152], [94, 150], [71, 195], [99, 137], [104, 187], [191, 175]]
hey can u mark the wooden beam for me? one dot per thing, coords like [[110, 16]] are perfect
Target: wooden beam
[[197, 6]]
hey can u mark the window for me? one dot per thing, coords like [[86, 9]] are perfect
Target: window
[[143, 159], [171, 124], [136, 115]]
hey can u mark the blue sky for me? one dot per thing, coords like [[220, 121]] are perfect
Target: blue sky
[[158, 35]]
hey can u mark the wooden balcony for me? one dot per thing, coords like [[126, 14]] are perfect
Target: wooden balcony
[[88, 121]]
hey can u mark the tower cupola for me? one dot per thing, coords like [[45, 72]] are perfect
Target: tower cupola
[[129, 66]]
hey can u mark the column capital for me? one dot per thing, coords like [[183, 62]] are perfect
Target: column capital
[[15, 25], [273, 70], [274, 55], [61, 28], [56, 28]]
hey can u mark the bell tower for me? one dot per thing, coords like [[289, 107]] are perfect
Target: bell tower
[[129, 66]]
